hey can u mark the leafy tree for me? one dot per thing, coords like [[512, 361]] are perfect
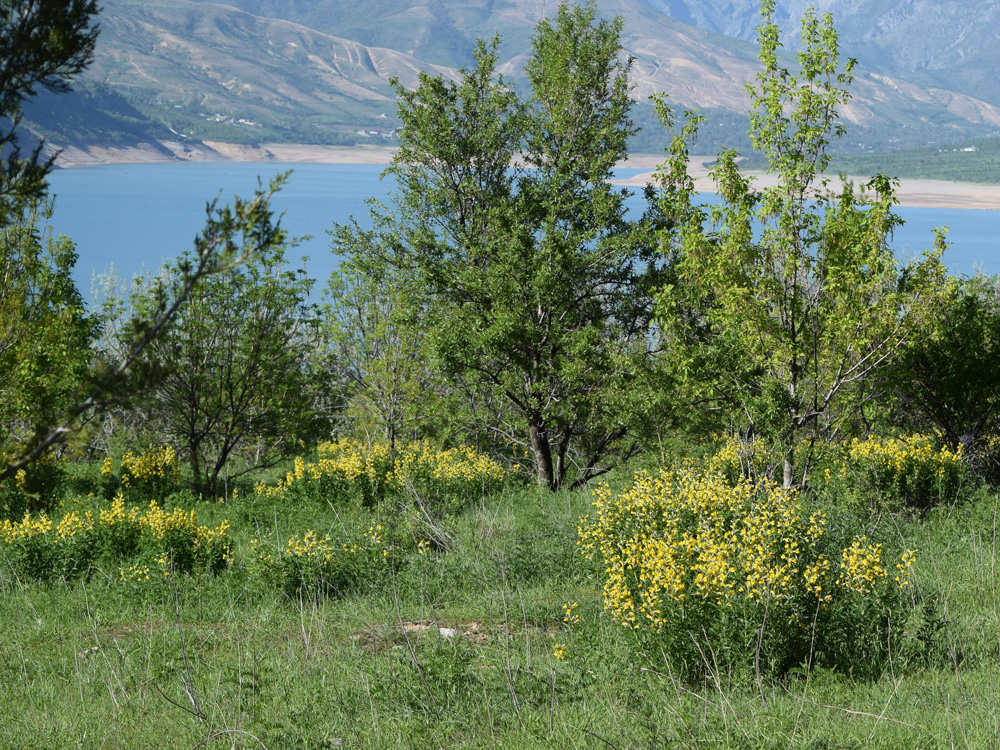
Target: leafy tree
[[44, 44], [949, 380], [45, 334], [50, 378], [532, 284], [791, 298], [233, 376], [44, 331], [375, 346]]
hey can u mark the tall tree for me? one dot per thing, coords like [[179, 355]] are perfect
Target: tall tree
[[45, 332], [797, 296], [534, 285], [375, 346], [50, 380]]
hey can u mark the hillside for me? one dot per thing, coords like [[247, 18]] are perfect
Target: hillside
[[262, 71], [937, 43]]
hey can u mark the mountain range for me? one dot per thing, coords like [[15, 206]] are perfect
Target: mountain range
[[312, 71]]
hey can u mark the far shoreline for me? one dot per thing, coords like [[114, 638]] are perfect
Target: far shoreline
[[918, 193]]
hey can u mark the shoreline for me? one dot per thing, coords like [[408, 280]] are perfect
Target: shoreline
[[918, 193]]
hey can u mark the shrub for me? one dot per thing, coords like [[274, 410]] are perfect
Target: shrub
[[880, 474], [34, 489], [38, 549], [742, 573], [312, 565], [347, 471], [151, 475]]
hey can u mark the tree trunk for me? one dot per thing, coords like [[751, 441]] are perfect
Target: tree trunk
[[543, 455], [788, 473]]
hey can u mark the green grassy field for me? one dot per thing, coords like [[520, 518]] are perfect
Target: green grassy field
[[463, 643]]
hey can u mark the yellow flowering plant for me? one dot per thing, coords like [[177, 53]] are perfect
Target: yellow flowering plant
[[348, 471], [39, 548], [743, 571], [150, 475], [312, 565], [891, 473]]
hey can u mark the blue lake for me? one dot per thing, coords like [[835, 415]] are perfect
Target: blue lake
[[136, 216]]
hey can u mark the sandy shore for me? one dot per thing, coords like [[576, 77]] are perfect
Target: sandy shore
[[917, 193], [924, 193]]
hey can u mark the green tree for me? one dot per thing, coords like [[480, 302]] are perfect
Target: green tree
[[233, 376], [44, 44], [375, 346], [532, 284], [790, 299], [45, 334], [948, 380], [51, 380]]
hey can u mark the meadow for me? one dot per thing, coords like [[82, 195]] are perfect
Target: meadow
[[437, 599]]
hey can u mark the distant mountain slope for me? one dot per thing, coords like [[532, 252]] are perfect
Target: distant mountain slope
[[950, 44], [260, 76], [290, 70]]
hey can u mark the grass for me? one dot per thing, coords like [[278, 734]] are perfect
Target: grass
[[222, 662]]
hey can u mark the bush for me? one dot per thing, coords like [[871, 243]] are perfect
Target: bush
[[38, 549], [742, 573], [35, 488], [348, 472], [312, 566], [151, 475], [889, 474]]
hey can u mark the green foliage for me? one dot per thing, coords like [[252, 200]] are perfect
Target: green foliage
[[743, 573], [36, 488], [46, 333], [350, 473], [38, 549], [879, 475], [947, 381], [533, 288], [314, 566], [232, 371], [377, 346], [970, 161], [791, 300]]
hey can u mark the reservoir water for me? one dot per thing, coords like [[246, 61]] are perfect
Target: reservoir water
[[136, 216]]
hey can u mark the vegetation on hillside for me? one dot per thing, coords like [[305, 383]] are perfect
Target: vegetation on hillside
[[533, 474]]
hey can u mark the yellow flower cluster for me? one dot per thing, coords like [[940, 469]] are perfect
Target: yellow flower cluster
[[312, 547], [684, 539], [738, 458], [883, 471], [155, 524], [860, 566], [134, 574], [342, 460], [422, 459], [157, 469], [346, 461], [571, 616], [28, 528], [319, 564], [905, 456]]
